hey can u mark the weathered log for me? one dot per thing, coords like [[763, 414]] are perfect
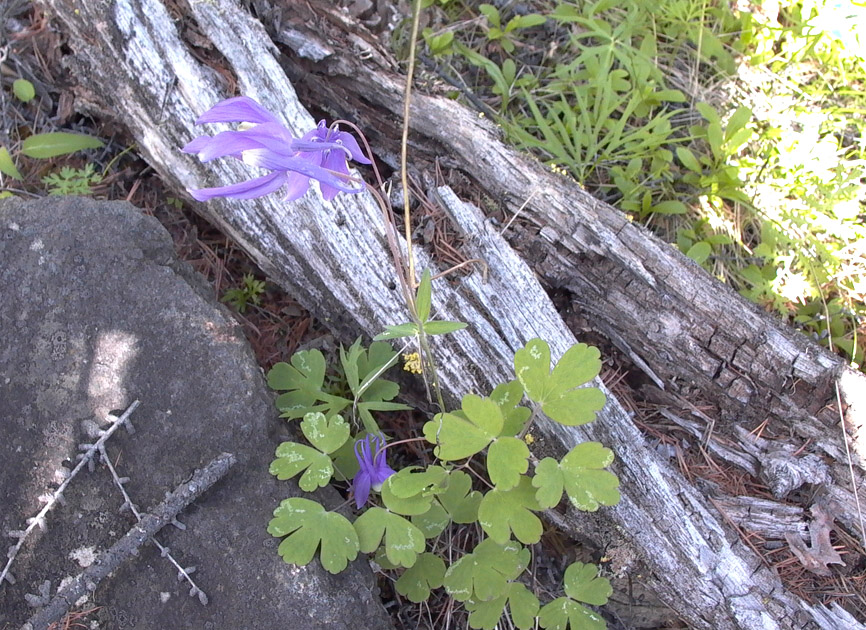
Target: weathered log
[[133, 63]]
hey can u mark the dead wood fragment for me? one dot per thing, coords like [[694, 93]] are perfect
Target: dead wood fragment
[[88, 580]]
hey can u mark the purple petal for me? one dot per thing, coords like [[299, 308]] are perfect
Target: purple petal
[[361, 486], [350, 143], [251, 189], [237, 109], [197, 144], [270, 160], [297, 186], [335, 161], [271, 136]]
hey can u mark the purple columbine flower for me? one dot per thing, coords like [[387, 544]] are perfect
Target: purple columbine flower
[[370, 452], [321, 154]]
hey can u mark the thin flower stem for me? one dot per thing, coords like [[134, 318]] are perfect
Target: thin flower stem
[[404, 142], [405, 441]]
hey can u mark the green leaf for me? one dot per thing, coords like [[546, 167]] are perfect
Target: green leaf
[[395, 332], [459, 499], [507, 460], [457, 437], [7, 166], [737, 122], [303, 379], [23, 90], [708, 112], [491, 13], [689, 160], [670, 207], [54, 143], [523, 605], [432, 522], [345, 462], [442, 327], [403, 541], [485, 573], [416, 582], [505, 511], [326, 434], [526, 21], [508, 396], [423, 296], [532, 366], [700, 251], [408, 506], [581, 473], [581, 582], [556, 391], [715, 138], [307, 524], [407, 483], [292, 458], [563, 613]]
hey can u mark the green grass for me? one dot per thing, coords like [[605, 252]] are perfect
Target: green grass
[[737, 137]]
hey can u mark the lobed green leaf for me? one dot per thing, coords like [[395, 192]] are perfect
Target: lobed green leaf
[[427, 573], [308, 525], [484, 574], [582, 477], [403, 541], [292, 458], [502, 512], [507, 460], [326, 434]]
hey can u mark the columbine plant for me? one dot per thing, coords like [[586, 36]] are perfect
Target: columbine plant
[[404, 513]]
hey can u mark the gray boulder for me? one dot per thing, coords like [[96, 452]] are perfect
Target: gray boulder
[[96, 312]]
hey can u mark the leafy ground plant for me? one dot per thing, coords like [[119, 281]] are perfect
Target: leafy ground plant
[[404, 513], [736, 135]]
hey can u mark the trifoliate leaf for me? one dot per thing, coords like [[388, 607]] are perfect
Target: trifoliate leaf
[[507, 460], [292, 458], [581, 582], [522, 604], [54, 143], [459, 500], [408, 483], [403, 541], [484, 574], [423, 296], [433, 522], [556, 391], [408, 506], [303, 379], [581, 473], [326, 434], [427, 573], [508, 396], [563, 613], [505, 511], [459, 438], [307, 524], [395, 332]]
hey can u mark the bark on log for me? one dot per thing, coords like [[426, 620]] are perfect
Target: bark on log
[[135, 62]]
